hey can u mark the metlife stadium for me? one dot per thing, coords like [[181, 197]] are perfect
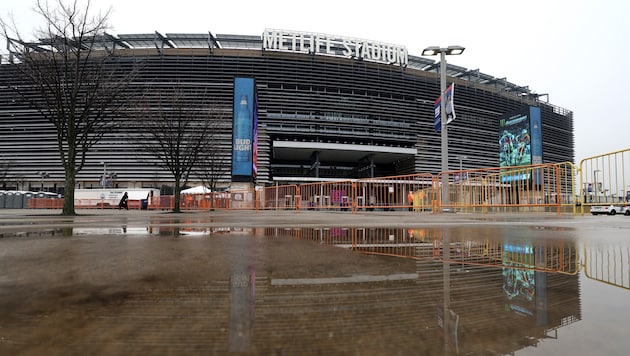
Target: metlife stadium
[[302, 107]]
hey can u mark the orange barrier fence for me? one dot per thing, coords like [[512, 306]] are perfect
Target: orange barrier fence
[[327, 195], [409, 192], [45, 203], [229, 200], [278, 197], [544, 187]]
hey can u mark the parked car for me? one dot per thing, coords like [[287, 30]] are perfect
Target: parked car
[[610, 209]]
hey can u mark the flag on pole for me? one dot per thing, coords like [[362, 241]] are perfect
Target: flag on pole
[[448, 107]]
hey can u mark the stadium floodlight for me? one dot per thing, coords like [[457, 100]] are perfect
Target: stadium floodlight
[[443, 52], [450, 50]]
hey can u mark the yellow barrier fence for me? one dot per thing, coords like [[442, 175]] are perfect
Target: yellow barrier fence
[[605, 179], [523, 188]]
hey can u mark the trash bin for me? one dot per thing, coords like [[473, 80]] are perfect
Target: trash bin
[[145, 204]]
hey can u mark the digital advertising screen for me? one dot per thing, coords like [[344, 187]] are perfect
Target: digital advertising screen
[[243, 130]]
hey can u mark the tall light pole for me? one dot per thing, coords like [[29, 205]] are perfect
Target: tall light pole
[[104, 178], [461, 158], [461, 178], [595, 188], [443, 52], [44, 175]]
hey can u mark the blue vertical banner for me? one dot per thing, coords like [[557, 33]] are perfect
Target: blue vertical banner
[[242, 129], [535, 126], [536, 134], [437, 116], [449, 107]]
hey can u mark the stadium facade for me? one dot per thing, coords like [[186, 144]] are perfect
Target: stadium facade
[[326, 108]]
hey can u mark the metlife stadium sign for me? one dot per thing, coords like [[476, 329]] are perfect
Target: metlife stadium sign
[[317, 43]]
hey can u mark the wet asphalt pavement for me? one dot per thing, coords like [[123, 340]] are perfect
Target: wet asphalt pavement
[[371, 283]]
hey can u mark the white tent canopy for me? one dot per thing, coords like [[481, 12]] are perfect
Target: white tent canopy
[[200, 189]]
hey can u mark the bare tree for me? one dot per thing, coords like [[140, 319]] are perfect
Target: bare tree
[[176, 129], [69, 77], [214, 163], [5, 173]]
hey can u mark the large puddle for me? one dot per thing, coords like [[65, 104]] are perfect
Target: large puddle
[[163, 288]]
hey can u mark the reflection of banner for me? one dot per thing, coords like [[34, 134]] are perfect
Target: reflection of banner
[[448, 107], [519, 282]]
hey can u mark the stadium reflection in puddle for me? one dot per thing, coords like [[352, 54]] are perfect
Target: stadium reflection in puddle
[[472, 290]]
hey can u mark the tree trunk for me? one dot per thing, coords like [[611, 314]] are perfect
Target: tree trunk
[[177, 193], [68, 194]]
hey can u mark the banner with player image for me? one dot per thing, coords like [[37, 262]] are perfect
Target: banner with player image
[[520, 141], [448, 107]]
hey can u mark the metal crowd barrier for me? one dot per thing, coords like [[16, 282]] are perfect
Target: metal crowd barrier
[[605, 179], [546, 187], [327, 195], [608, 264], [534, 187]]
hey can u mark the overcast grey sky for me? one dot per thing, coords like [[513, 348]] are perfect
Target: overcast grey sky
[[574, 50]]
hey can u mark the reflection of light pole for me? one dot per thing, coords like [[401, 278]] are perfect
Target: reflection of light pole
[[432, 51], [596, 187]]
